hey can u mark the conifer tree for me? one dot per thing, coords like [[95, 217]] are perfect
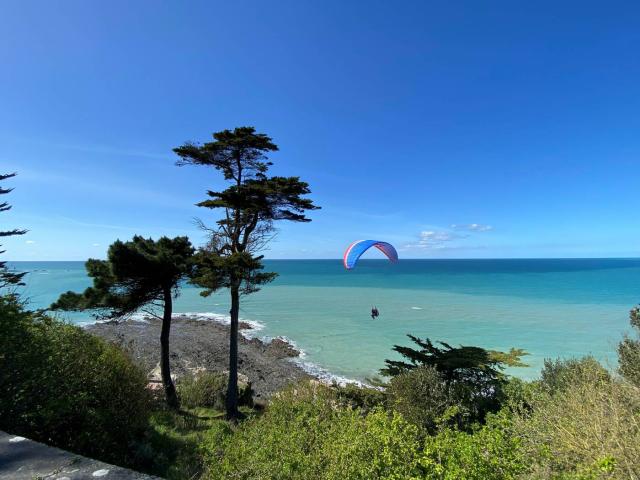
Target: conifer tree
[[250, 205], [475, 375], [138, 275], [462, 364], [8, 277]]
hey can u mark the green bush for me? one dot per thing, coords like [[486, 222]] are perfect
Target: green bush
[[559, 374], [581, 423], [356, 396], [490, 452], [629, 359], [516, 393], [209, 389], [306, 434], [378, 445], [629, 351], [423, 398], [65, 387], [203, 390]]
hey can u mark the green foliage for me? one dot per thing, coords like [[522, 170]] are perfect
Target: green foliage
[[204, 390], [489, 452], [425, 399], [8, 277], [560, 374], [249, 206], [251, 203], [464, 363], [365, 398], [474, 374], [378, 445], [208, 389], [136, 274], [65, 387], [629, 350], [516, 394], [581, 423], [213, 272], [230, 152], [173, 444], [305, 434]]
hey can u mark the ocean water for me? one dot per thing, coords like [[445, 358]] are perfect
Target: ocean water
[[551, 308]]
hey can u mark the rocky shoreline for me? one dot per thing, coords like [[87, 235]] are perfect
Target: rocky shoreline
[[198, 344]]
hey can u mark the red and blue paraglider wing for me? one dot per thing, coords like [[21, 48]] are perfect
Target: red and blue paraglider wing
[[356, 249]]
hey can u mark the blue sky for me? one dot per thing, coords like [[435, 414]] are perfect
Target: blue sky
[[452, 129]]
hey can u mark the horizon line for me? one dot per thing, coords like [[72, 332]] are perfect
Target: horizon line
[[403, 258]]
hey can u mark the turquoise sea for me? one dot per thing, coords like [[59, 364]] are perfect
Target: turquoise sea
[[551, 308]]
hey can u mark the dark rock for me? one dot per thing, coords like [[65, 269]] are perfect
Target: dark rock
[[204, 344]]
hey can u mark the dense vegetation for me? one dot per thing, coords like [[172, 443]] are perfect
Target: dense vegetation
[[466, 379], [578, 421], [65, 387]]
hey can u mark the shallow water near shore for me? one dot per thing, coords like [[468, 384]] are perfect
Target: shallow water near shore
[[549, 307]]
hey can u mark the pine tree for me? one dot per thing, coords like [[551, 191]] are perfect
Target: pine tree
[[462, 364], [475, 375], [7, 277], [138, 275], [250, 205]]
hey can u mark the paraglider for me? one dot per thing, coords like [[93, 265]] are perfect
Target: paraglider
[[356, 249]]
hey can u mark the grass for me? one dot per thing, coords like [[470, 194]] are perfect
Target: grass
[[172, 449]]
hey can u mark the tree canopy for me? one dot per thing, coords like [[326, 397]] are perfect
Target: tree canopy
[[253, 201], [135, 276], [141, 274], [463, 363], [250, 206], [8, 277]]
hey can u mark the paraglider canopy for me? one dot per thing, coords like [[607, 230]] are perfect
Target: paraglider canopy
[[356, 249]]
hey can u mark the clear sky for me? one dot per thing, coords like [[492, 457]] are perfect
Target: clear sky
[[452, 129]]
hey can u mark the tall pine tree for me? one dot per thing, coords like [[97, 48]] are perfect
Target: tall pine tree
[[249, 206], [139, 275], [8, 277]]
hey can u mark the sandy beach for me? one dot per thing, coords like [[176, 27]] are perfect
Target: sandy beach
[[197, 344]]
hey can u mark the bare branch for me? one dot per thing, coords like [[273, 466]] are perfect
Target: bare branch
[[151, 313]]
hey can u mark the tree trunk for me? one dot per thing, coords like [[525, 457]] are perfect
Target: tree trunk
[[231, 402], [165, 369]]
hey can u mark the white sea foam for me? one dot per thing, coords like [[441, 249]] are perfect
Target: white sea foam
[[323, 374], [140, 317], [268, 339], [225, 320], [416, 308]]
